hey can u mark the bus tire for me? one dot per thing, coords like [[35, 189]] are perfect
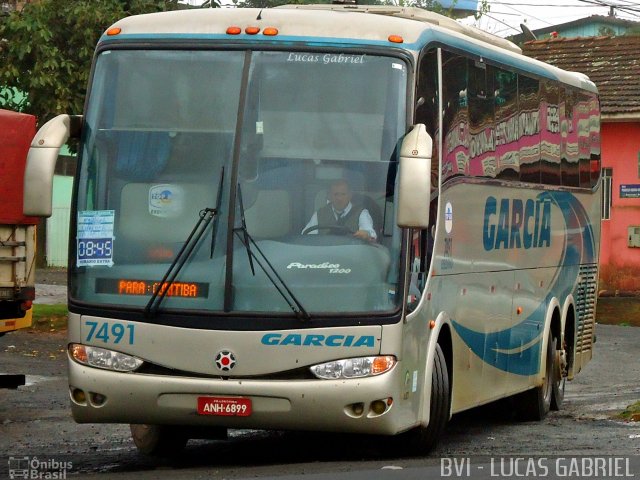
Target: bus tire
[[559, 381], [421, 440], [158, 440], [534, 404]]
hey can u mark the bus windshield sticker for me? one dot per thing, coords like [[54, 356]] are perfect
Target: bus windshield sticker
[[165, 200], [448, 217], [95, 238], [327, 58], [397, 66]]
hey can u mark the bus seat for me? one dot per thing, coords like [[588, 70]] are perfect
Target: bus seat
[[269, 214], [139, 155]]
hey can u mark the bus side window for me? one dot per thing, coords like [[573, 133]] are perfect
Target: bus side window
[[570, 163], [482, 158], [506, 118], [455, 154], [529, 130], [427, 107], [594, 138], [418, 266], [550, 133]]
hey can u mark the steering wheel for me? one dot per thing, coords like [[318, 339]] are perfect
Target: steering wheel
[[339, 229]]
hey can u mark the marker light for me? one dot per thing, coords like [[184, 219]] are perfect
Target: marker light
[[114, 31], [103, 358], [270, 31], [234, 31], [251, 30], [395, 39], [354, 367]]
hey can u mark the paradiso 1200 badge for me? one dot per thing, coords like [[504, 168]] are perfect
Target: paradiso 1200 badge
[[225, 360], [331, 267]]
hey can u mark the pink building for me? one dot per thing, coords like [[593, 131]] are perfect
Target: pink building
[[613, 63]]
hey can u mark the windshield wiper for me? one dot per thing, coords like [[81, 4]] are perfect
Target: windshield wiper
[[243, 227], [205, 217], [247, 240]]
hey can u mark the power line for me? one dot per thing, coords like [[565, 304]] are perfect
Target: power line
[[602, 3]]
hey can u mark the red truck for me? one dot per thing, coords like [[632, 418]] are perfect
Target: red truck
[[17, 232]]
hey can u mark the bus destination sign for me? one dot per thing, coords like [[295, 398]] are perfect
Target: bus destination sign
[[126, 286]]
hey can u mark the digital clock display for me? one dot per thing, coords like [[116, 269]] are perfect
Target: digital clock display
[[122, 286], [95, 251]]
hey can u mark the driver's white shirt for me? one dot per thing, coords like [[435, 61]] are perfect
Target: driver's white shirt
[[365, 222]]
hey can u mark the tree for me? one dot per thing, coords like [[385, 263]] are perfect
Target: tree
[[47, 47]]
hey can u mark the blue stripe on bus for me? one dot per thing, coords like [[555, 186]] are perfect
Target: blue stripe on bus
[[517, 349]]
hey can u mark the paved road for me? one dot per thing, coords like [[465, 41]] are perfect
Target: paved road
[[35, 422], [50, 294]]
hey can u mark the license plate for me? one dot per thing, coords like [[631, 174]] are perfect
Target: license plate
[[6, 293], [224, 406]]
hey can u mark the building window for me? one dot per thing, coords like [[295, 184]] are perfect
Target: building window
[[607, 173]]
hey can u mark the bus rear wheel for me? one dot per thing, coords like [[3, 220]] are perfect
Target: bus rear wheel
[[158, 440], [559, 378], [421, 440], [534, 404]]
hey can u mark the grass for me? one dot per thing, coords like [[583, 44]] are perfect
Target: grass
[[49, 318], [631, 413], [623, 311]]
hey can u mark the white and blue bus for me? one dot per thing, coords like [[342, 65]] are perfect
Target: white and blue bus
[[200, 299]]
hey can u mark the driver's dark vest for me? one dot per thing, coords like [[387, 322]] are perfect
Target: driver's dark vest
[[351, 220]]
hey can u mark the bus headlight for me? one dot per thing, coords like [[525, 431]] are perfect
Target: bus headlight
[[354, 367], [103, 358]]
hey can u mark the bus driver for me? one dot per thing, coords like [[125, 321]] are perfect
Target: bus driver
[[340, 212]]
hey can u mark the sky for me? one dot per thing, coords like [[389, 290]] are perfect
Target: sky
[[505, 16]]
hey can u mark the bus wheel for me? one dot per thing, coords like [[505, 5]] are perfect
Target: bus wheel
[[559, 380], [421, 440], [158, 440], [534, 404]]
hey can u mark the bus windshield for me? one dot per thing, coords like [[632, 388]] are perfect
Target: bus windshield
[[268, 139]]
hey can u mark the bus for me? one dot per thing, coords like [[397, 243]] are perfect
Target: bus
[[198, 300]]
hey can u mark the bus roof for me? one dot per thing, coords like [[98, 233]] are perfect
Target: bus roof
[[348, 26]]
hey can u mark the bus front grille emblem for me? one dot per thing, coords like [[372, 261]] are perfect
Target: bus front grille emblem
[[225, 360]]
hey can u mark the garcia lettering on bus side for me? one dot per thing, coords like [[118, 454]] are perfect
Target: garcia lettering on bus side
[[514, 223]]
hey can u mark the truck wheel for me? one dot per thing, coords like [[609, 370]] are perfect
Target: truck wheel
[[422, 440], [534, 404], [158, 440]]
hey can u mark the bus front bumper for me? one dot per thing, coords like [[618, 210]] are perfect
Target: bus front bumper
[[374, 405]]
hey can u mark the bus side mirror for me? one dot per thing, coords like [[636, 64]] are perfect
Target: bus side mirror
[[41, 162], [414, 182]]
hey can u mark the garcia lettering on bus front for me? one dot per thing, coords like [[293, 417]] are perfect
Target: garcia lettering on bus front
[[318, 340], [514, 223]]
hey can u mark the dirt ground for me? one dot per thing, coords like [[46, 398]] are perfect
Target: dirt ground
[[619, 311], [51, 276]]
